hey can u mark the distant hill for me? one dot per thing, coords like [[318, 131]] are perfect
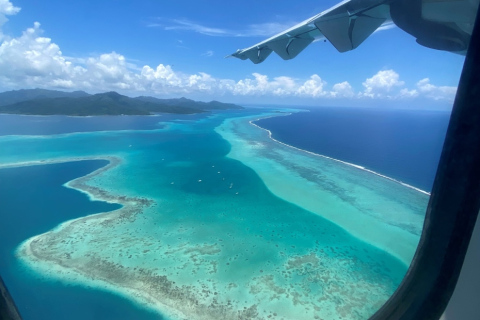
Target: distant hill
[[184, 102], [11, 97], [79, 103]]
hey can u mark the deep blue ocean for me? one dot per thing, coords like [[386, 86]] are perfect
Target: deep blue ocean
[[26, 210], [26, 197], [402, 144]]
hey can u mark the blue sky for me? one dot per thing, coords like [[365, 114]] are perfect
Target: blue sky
[[177, 48]]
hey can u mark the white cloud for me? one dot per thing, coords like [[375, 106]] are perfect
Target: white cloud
[[405, 93], [283, 86], [258, 85], [386, 26], [387, 84], [266, 29], [312, 87], [209, 53], [253, 30], [436, 92], [178, 24], [381, 84], [342, 90], [160, 80], [202, 82], [7, 8], [261, 85], [32, 60]]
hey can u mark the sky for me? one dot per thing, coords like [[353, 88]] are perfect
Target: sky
[[177, 49]]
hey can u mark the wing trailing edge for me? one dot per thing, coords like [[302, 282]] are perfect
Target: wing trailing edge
[[438, 24], [344, 29]]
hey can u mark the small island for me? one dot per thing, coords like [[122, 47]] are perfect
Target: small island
[[80, 103]]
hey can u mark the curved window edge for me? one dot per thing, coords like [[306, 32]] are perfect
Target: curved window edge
[[8, 310], [450, 218], [452, 210]]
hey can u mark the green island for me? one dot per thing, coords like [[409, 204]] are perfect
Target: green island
[[80, 103]]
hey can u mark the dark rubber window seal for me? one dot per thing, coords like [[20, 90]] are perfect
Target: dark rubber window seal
[[453, 208], [450, 218]]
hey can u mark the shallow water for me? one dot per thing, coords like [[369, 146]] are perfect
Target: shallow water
[[215, 223], [402, 144], [38, 297]]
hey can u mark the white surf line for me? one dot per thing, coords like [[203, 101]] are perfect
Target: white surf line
[[330, 158], [77, 183], [81, 117], [68, 134], [141, 298], [50, 268], [167, 125], [55, 161]]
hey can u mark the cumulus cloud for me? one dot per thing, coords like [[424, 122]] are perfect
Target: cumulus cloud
[[312, 87], [436, 92], [315, 87], [405, 93], [387, 84], [257, 86], [260, 84], [33, 60], [279, 86], [381, 83], [31, 57], [342, 90], [6, 9]]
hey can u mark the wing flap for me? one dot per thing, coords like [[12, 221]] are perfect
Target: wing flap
[[337, 32], [297, 45], [280, 47], [363, 28], [346, 32], [287, 44], [345, 25], [258, 55], [289, 48]]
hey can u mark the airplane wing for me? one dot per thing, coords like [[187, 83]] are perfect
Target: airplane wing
[[438, 24], [345, 25]]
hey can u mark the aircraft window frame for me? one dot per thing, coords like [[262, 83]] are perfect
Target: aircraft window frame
[[8, 310], [450, 218], [452, 210]]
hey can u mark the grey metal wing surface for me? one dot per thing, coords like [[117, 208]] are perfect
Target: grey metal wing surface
[[437, 24], [346, 26]]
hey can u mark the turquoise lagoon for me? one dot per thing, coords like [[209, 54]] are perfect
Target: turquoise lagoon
[[219, 221]]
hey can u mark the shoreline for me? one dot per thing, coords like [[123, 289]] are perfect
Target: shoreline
[[330, 158], [68, 275], [67, 134], [85, 251], [20, 164], [52, 268], [43, 266], [398, 237], [48, 255]]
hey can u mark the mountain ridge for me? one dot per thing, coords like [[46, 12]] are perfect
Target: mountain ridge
[[80, 103]]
